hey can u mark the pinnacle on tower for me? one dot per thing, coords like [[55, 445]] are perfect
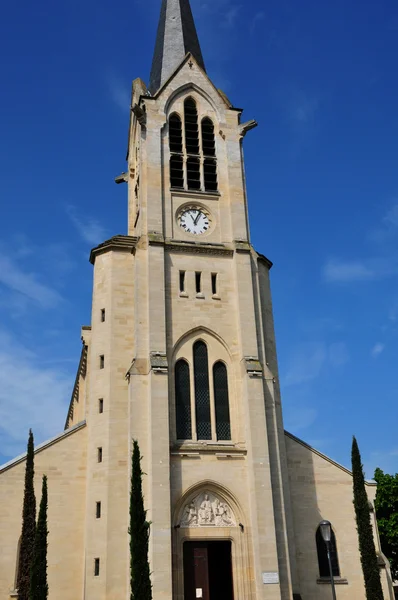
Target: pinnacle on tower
[[176, 37]]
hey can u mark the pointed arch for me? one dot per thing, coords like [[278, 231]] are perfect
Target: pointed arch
[[192, 87], [191, 126], [202, 390], [175, 133], [200, 332], [183, 400], [323, 561], [221, 401]]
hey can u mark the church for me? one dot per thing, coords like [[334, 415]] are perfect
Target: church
[[181, 356]]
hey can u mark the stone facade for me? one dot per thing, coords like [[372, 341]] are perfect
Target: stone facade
[[263, 490]]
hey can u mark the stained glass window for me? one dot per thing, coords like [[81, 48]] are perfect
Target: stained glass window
[[221, 401], [183, 401], [202, 392]]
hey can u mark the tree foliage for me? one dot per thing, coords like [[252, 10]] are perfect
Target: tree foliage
[[141, 588], [386, 504], [38, 580], [367, 549], [28, 525]]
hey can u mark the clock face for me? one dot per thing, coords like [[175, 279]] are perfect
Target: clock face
[[194, 220]]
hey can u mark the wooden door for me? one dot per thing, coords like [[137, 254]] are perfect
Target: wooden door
[[196, 571]]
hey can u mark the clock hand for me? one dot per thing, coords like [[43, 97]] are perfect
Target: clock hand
[[197, 218]]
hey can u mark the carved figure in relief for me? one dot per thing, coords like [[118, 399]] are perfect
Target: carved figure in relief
[[223, 517], [206, 513], [191, 515]]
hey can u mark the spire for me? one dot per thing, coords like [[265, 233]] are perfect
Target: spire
[[175, 38]]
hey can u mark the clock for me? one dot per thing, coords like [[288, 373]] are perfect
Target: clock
[[194, 220]]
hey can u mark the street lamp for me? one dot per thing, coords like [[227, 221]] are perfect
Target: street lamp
[[326, 531]]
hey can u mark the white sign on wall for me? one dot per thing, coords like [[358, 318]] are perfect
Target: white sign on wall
[[270, 577]]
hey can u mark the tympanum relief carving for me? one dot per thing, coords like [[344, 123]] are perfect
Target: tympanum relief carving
[[207, 510]]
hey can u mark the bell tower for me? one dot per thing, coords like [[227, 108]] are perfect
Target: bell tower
[[189, 350]]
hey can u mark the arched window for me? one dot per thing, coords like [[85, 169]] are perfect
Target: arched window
[[193, 173], [175, 134], [183, 401], [197, 156], [191, 126], [208, 139], [323, 555], [202, 391], [176, 171], [221, 401]]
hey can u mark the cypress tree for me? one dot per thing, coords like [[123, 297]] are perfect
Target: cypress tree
[[38, 578], [367, 549], [28, 525], [141, 588]]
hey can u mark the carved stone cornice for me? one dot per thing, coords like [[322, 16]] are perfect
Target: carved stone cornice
[[199, 248], [118, 243]]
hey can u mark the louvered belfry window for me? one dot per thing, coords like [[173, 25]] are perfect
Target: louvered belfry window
[[193, 164], [202, 391], [323, 555], [183, 401], [221, 401]]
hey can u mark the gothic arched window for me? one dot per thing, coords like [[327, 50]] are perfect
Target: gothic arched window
[[221, 401], [183, 400], [189, 152], [202, 391], [208, 140], [175, 134], [323, 555], [191, 126]]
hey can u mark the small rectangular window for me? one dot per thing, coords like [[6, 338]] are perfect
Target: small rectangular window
[[99, 455], [98, 510], [198, 282], [102, 315], [96, 567], [214, 283], [182, 281], [102, 361], [101, 405]]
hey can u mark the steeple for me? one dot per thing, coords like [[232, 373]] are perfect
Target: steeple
[[175, 38]]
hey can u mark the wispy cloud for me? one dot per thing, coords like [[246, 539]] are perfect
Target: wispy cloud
[[388, 227], [230, 16], [298, 419], [118, 91], [349, 271], [258, 17], [377, 349], [304, 107], [309, 359], [27, 392], [14, 278], [90, 230]]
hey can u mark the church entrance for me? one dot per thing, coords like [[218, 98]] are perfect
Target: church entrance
[[208, 571]]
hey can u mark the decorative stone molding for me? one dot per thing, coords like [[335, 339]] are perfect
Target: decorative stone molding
[[253, 366], [159, 362], [199, 248], [121, 243], [207, 510]]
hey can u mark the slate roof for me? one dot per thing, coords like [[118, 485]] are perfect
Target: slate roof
[[176, 37]]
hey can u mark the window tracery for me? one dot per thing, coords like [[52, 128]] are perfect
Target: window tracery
[[193, 163], [201, 397]]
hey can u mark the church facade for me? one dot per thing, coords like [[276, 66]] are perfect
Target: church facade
[[181, 356]]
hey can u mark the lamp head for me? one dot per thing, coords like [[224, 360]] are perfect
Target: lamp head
[[326, 531]]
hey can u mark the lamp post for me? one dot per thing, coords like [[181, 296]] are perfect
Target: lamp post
[[326, 531]]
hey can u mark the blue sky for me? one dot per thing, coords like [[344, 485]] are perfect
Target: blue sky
[[320, 77]]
